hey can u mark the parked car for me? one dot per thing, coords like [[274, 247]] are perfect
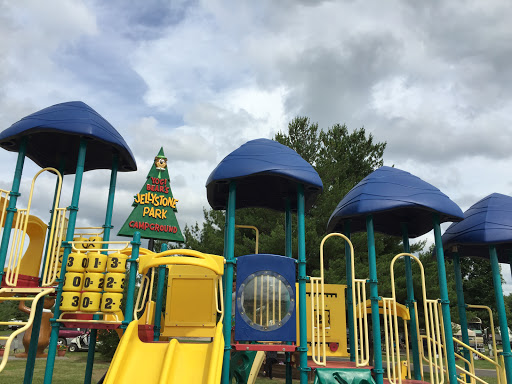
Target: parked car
[[67, 334]]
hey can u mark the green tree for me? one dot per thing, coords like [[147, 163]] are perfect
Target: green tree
[[342, 158]]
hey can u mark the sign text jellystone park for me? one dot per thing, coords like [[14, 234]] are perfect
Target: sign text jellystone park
[[154, 215]]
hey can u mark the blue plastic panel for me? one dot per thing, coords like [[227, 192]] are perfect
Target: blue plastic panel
[[266, 173], [393, 196], [251, 265], [489, 221], [55, 132]]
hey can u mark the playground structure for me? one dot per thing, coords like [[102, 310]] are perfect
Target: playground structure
[[172, 341]]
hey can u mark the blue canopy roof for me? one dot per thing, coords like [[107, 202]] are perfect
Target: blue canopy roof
[[393, 196], [489, 221], [55, 132], [266, 173]]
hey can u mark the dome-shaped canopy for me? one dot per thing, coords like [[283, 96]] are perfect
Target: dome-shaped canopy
[[393, 196], [266, 174], [487, 222], [55, 133]]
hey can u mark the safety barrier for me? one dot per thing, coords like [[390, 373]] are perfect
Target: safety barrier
[[39, 294], [434, 338], [360, 312], [20, 231]]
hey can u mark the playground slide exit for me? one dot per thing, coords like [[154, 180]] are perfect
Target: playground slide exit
[[166, 362]]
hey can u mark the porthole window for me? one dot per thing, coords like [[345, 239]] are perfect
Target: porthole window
[[265, 300]]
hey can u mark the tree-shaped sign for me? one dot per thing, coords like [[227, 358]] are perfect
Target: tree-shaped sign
[[154, 213]]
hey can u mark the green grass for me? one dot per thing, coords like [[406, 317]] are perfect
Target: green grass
[[71, 370], [68, 370]]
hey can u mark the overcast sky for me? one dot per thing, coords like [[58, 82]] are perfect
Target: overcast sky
[[432, 79]]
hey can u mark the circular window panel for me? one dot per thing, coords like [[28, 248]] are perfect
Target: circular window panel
[[265, 300]]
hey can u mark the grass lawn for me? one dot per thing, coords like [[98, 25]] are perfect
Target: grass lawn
[[71, 370], [68, 370]]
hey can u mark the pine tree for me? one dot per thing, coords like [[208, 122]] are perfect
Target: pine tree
[[155, 207]]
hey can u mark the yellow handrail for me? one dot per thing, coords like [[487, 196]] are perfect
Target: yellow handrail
[[41, 292], [78, 231], [362, 350], [205, 260], [257, 234], [432, 322], [50, 270], [13, 262]]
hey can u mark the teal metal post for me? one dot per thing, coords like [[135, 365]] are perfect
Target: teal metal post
[[36, 324], [226, 224], [230, 261], [303, 324], [350, 310], [461, 306], [374, 297], [159, 298], [445, 303], [410, 303], [288, 253], [502, 316], [34, 339], [73, 211], [132, 279], [52, 217], [11, 209], [106, 237]]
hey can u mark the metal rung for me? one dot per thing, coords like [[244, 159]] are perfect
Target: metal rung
[[22, 290], [13, 322], [89, 321], [16, 298]]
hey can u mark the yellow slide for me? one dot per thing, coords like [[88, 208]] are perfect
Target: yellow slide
[[166, 362]]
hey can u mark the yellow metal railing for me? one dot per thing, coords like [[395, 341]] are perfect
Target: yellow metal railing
[[433, 326], [89, 231], [39, 294], [256, 231], [360, 312], [20, 227], [318, 350], [4, 198], [57, 231]]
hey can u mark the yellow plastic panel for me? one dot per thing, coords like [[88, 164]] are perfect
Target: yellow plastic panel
[[190, 306], [335, 318]]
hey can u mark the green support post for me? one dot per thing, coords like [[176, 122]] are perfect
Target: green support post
[[52, 217], [445, 302], [34, 340], [225, 251], [502, 316], [11, 209], [461, 306], [132, 279], [374, 297], [159, 298], [230, 261], [36, 325], [288, 253], [303, 324], [350, 310], [73, 211], [410, 302], [106, 237]]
